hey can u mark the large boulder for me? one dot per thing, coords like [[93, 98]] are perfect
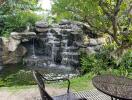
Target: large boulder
[[13, 51], [13, 57], [12, 44], [15, 39], [22, 35]]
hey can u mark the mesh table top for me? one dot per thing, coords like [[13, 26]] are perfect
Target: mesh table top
[[118, 87]]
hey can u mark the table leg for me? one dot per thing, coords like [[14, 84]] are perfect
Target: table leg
[[112, 98]]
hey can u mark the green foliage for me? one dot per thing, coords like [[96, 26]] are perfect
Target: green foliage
[[102, 16], [16, 76], [20, 78], [83, 81], [103, 62], [15, 15], [19, 22]]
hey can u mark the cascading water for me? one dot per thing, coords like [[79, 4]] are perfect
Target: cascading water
[[54, 49], [33, 48], [65, 53], [51, 41]]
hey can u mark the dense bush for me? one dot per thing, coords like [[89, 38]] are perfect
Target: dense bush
[[104, 62], [15, 15], [19, 22]]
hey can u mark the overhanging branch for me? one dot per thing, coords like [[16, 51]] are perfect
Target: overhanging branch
[[117, 7]]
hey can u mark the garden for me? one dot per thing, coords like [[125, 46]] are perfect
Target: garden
[[78, 39]]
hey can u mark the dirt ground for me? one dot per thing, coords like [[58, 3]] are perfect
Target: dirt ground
[[27, 94]]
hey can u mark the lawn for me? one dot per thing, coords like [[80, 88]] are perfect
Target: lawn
[[77, 84]]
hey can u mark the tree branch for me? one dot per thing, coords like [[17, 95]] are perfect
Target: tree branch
[[104, 10], [117, 7]]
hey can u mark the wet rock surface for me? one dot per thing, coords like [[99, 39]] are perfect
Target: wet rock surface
[[56, 48]]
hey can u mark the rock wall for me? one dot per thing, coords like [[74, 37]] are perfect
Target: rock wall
[[13, 50], [93, 45], [55, 46], [58, 43]]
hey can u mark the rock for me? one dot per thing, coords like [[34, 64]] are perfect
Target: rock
[[64, 22], [42, 29], [10, 43], [13, 44], [14, 57], [101, 40], [85, 39], [22, 35], [15, 39], [97, 48], [90, 50], [93, 42], [41, 24]]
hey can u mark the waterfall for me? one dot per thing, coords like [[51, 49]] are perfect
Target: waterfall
[[54, 48], [33, 48], [51, 42], [65, 53]]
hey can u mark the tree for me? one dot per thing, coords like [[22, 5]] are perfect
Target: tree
[[113, 17], [16, 14]]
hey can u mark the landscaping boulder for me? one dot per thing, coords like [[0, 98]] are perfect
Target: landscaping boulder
[[13, 57], [22, 35], [13, 51]]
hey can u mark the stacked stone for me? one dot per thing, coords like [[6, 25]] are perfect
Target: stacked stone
[[71, 35], [57, 45], [60, 42], [1, 53], [95, 44]]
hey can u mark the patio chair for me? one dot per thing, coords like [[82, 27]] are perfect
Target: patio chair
[[40, 79]]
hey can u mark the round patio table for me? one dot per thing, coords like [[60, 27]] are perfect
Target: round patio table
[[114, 86]]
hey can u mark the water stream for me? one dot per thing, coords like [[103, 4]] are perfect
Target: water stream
[[33, 48], [54, 50]]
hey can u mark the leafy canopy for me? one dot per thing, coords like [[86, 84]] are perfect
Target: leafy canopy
[[113, 17]]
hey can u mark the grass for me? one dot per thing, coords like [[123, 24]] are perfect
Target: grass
[[77, 84], [16, 77]]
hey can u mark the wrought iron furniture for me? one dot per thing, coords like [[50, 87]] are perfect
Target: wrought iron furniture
[[116, 87], [40, 79]]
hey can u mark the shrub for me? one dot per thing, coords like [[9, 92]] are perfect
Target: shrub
[[15, 75], [103, 62], [16, 14], [22, 77], [19, 22]]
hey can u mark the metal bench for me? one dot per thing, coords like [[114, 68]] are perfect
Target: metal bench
[[83, 95], [40, 79]]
